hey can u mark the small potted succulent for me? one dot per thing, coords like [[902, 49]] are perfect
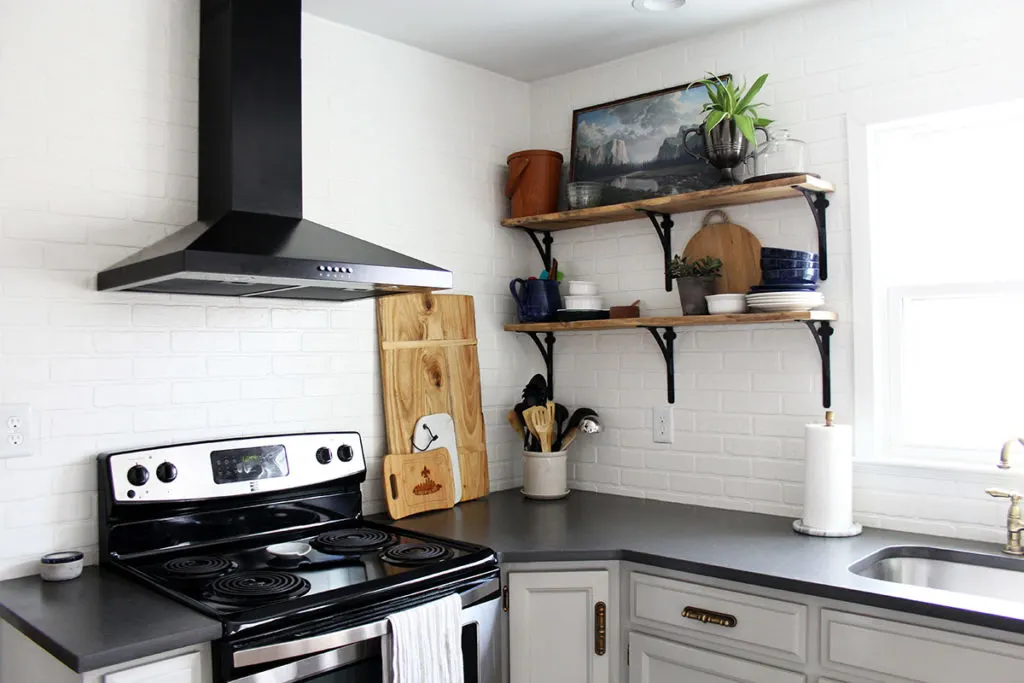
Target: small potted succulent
[[694, 281]]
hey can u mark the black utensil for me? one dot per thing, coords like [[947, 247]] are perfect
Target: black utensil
[[574, 423], [561, 415], [536, 391]]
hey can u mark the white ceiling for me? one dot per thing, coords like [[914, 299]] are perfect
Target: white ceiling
[[533, 39]]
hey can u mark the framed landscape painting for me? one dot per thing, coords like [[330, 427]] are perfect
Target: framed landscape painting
[[634, 146]]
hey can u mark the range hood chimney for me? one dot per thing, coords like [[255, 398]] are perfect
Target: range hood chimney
[[251, 238]]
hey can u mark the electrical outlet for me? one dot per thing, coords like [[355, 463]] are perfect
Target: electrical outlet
[[16, 434], [663, 430]]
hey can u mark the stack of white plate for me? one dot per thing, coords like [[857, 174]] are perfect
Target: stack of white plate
[[779, 302]]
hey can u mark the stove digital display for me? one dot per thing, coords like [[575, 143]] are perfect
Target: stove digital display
[[248, 464]]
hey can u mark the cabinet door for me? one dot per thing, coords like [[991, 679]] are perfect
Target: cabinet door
[[551, 618], [181, 669], [652, 660]]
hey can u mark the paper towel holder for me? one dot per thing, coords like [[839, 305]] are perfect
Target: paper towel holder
[[800, 527]]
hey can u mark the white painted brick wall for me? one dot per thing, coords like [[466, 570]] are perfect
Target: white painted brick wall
[[743, 396], [98, 158]]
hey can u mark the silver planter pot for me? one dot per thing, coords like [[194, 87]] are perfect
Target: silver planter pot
[[724, 145]]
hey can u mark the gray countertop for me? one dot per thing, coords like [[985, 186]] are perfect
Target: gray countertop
[[100, 619], [739, 546]]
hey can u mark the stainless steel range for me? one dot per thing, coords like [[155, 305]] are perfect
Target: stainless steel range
[[266, 534]]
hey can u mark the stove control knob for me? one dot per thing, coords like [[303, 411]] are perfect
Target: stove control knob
[[166, 472], [138, 475], [345, 453], [323, 455]]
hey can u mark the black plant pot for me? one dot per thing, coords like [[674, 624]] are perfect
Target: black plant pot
[[692, 291]]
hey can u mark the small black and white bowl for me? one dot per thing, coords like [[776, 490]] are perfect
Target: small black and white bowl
[[61, 566]]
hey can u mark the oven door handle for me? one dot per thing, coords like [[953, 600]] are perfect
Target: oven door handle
[[331, 641]]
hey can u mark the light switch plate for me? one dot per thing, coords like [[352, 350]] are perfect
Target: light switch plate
[[15, 430], [663, 429]]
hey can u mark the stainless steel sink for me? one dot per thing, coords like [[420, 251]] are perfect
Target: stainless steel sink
[[987, 576]]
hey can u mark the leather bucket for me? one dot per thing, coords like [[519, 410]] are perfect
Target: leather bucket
[[533, 179]]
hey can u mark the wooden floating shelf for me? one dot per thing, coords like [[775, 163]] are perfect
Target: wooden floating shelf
[[678, 321], [705, 200]]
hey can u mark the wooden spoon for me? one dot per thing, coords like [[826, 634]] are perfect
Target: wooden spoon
[[540, 423]]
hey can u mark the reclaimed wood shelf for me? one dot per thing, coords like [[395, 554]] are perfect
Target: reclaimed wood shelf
[[674, 321], [663, 329], [704, 200], [659, 211]]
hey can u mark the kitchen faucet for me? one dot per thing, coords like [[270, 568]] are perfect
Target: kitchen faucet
[[1004, 455], [1014, 523]]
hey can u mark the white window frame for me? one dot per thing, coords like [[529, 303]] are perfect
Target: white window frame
[[871, 372]]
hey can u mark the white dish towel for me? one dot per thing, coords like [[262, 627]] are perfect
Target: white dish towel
[[426, 643]]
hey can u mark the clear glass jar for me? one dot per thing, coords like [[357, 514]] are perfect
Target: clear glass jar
[[780, 156]]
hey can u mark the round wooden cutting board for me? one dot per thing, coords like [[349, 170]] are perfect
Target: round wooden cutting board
[[737, 247]]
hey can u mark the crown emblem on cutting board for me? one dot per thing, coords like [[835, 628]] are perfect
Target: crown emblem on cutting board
[[428, 486]]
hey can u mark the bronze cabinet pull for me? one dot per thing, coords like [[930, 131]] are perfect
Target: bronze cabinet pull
[[600, 628], [706, 616]]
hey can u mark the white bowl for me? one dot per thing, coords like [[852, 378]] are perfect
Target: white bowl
[[293, 550], [582, 288], [61, 566], [719, 304], [584, 303]]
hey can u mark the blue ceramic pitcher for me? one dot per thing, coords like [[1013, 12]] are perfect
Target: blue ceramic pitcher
[[537, 300]]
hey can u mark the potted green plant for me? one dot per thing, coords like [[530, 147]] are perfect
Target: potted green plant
[[694, 281], [730, 123]]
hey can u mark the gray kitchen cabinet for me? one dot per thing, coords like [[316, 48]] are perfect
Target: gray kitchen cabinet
[[653, 660], [556, 628]]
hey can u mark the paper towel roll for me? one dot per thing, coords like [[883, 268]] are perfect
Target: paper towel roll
[[828, 481]]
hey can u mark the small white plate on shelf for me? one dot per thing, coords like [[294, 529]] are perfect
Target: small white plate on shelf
[[783, 308]]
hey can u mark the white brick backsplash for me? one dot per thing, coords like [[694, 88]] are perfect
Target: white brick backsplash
[[291, 319], [754, 390], [204, 392], [113, 168], [168, 317], [261, 342], [692, 483], [236, 317], [137, 394], [204, 342]]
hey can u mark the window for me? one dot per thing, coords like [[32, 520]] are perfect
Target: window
[[938, 255]]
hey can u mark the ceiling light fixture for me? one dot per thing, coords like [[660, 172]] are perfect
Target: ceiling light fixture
[[657, 5]]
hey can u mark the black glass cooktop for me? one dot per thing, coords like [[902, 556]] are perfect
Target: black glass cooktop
[[352, 556]]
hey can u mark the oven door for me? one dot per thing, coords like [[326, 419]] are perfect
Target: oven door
[[358, 654]]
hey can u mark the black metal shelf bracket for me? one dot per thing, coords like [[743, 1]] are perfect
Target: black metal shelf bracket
[[664, 230], [545, 249], [547, 351], [822, 332], [818, 201], [666, 342]]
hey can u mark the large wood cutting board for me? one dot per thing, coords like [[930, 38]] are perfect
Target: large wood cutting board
[[429, 364], [738, 248]]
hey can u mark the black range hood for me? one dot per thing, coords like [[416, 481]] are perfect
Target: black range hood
[[251, 239]]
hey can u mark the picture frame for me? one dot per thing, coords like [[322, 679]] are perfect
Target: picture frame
[[634, 146]]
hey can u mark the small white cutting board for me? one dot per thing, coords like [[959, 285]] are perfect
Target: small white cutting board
[[442, 426]]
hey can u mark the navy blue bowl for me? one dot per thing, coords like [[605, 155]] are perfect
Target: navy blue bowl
[[786, 264], [793, 276], [792, 254], [802, 287]]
